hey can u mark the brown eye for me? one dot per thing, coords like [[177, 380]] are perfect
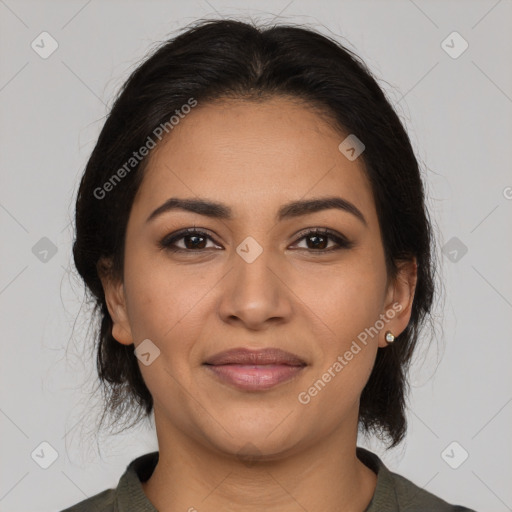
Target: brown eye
[[193, 241], [317, 240]]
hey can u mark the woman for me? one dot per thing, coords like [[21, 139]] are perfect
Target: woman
[[252, 227]]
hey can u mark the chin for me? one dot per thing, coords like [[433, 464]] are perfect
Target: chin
[[258, 440]]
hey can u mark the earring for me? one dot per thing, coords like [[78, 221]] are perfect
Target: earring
[[390, 338]]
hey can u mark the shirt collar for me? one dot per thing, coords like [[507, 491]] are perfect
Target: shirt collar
[[384, 497], [130, 496]]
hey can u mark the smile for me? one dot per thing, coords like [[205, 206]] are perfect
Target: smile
[[255, 370]]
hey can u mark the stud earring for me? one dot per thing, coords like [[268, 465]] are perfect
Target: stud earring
[[390, 338]]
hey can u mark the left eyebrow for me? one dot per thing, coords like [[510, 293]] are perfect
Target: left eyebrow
[[293, 209], [297, 208]]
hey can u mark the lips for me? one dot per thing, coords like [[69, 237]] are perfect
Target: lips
[[255, 370], [266, 356]]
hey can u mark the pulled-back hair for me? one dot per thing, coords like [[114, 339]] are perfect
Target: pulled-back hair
[[225, 59]]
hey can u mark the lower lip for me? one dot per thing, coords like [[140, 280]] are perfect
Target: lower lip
[[255, 377]]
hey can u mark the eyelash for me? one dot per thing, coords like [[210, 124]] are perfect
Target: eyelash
[[168, 241]]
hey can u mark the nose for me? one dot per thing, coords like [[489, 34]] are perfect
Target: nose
[[255, 291]]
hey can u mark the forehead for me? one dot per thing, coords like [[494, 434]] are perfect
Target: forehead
[[253, 156]]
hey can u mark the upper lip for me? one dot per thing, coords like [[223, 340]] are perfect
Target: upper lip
[[246, 356]]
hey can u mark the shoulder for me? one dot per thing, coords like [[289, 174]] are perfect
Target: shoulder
[[394, 492], [128, 496], [101, 502], [411, 497]]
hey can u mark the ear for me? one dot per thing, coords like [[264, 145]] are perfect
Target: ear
[[399, 300], [116, 302]]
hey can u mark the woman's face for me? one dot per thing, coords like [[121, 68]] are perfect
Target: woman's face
[[254, 279]]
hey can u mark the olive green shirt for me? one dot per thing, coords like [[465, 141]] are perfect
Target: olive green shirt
[[393, 492]]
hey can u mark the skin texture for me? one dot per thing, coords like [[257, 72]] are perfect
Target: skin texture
[[222, 448]]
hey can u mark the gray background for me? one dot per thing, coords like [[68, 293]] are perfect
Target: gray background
[[458, 114]]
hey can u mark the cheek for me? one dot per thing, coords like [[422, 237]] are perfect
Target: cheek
[[167, 305], [164, 301], [350, 308], [347, 299]]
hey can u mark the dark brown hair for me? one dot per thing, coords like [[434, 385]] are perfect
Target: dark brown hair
[[231, 59]]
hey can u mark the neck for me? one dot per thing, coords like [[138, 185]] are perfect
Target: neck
[[325, 476]]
